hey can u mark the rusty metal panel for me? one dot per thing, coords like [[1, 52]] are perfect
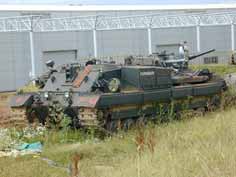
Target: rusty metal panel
[[21, 100]]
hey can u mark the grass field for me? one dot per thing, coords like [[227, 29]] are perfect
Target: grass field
[[216, 68], [202, 146]]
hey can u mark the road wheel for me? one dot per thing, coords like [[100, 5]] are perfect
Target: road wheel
[[128, 124]]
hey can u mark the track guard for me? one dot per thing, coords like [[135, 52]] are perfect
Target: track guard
[[21, 100]]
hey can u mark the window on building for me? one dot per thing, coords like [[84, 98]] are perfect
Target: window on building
[[211, 60]]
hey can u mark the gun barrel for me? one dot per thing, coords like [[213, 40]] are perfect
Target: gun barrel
[[204, 53]]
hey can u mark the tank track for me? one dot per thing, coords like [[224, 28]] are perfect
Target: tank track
[[19, 118], [92, 117], [16, 117], [89, 117]]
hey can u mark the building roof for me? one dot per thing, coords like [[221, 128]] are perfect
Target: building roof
[[115, 7]]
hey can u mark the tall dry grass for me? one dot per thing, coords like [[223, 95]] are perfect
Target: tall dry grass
[[200, 147]]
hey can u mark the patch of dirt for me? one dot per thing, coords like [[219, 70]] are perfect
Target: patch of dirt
[[5, 97], [5, 110]]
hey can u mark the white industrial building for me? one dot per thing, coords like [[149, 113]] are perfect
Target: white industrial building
[[31, 35]]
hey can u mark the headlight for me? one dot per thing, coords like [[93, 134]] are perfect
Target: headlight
[[67, 94], [114, 85], [46, 95]]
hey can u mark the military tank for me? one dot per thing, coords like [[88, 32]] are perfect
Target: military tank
[[164, 59], [110, 96]]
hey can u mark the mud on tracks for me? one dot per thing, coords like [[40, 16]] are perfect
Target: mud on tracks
[[5, 111]]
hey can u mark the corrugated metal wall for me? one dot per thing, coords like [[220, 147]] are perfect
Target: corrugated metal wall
[[174, 36], [122, 42], [14, 60], [217, 36]]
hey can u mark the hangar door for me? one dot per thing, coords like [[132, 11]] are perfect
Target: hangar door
[[60, 57]]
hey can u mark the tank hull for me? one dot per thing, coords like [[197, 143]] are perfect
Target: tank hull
[[112, 96], [122, 107]]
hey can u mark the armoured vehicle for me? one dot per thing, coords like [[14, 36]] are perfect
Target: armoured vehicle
[[113, 96], [165, 59]]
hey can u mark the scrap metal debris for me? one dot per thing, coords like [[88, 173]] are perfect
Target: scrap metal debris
[[12, 142], [24, 149]]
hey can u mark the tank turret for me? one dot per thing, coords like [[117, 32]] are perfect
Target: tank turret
[[175, 61], [200, 54]]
